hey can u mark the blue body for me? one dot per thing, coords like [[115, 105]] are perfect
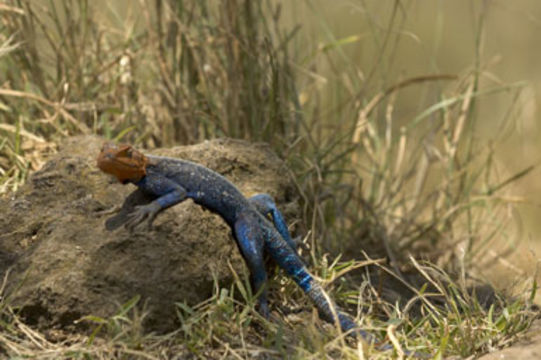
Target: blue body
[[173, 181]]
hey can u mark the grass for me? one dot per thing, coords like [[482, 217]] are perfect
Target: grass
[[223, 327], [178, 72]]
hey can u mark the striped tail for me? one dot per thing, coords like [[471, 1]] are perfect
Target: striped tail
[[288, 260]]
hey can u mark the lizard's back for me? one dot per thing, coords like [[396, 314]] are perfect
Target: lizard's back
[[204, 186]]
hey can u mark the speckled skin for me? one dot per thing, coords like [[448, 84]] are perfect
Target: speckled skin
[[173, 181]]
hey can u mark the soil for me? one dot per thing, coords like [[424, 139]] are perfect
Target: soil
[[528, 347], [66, 254]]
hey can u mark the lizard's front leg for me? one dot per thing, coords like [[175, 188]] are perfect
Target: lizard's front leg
[[141, 214], [250, 241], [169, 193]]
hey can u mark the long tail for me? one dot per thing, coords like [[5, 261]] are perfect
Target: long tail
[[288, 260], [294, 267]]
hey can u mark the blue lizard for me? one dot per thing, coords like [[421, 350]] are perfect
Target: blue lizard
[[174, 180]]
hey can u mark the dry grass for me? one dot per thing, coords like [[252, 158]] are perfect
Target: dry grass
[[177, 72]]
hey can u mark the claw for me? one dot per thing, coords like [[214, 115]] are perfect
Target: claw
[[263, 308], [142, 213]]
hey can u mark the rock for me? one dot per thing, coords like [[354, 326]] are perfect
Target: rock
[[63, 264]]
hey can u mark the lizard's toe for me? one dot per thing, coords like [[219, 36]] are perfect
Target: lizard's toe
[[263, 309]]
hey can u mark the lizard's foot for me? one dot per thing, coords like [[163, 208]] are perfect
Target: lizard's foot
[[142, 213], [263, 309], [112, 210]]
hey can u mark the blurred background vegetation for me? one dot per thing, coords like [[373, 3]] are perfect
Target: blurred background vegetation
[[409, 126]]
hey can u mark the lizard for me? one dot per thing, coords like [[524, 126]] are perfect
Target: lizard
[[171, 181]]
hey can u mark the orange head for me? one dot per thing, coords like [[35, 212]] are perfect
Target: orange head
[[122, 161]]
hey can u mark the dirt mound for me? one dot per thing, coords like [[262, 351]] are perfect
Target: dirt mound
[[68, 256]]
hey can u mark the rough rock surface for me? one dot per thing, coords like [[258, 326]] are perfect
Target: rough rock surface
[[68, 257]]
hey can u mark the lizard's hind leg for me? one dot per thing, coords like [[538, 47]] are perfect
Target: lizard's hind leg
[[250, 240], [264, 203]]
